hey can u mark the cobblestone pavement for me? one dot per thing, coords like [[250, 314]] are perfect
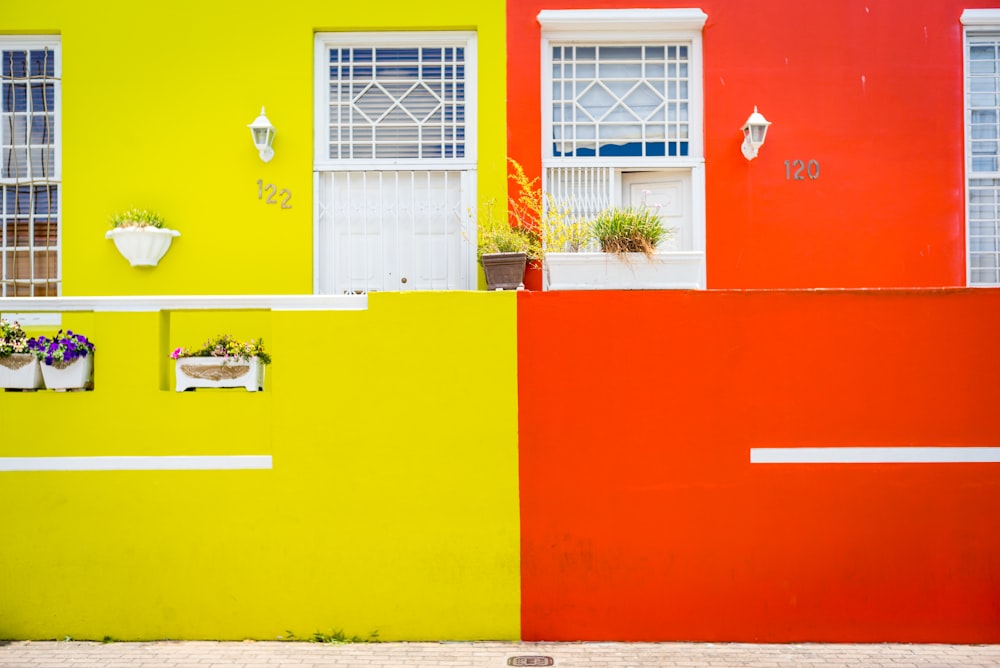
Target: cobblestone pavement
[[168, 654]]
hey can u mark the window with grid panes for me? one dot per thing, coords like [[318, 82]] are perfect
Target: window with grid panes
[[29, 166], [621, 113], [982, 146], [395, 161]]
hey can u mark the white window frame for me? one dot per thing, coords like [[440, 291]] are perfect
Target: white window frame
[[631, 27], [54, 44], [981, 21], [327, 40], [467, 164]]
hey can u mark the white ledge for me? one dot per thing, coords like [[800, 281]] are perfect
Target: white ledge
[[981, 17], [608, 20], [148, 303]]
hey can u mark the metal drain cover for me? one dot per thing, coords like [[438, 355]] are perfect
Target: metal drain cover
[[530, 661]]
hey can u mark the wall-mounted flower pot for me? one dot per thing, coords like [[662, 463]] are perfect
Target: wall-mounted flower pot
[[20, 372], [665, 270], [142, 246], [75, 375], [195, 372]]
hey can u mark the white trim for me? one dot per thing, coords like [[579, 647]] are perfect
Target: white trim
[[875, 455], [138, 463], [978, 22], [636, 24], [140, 304], [981, 17]]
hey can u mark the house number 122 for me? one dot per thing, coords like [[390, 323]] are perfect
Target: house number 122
[[271, 190]]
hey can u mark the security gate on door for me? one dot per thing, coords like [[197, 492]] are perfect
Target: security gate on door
[[394, 230]]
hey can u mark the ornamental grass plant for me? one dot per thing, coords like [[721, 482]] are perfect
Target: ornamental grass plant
[[495, 235], [629, 230], [226, 347], [135, 218]]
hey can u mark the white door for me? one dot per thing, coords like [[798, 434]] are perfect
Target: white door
[[670, 191], [395, 231]]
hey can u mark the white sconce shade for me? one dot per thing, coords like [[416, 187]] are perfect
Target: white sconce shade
[[754, 132], [263, 135]]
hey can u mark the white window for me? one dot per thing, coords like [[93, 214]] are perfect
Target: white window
[[30, 172], [982, 146], [622, 114], [395, 161]]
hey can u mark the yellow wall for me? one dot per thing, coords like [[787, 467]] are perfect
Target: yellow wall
[[156, 100], [392, 505]]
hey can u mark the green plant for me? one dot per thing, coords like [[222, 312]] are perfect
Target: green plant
[[560, 230], [629, 230], [335, 636], [495, 235], [12, 339], [136, 218], [225, 346]]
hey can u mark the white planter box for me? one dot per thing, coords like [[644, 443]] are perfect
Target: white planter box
[[666, 270], [195, 372], [77, 375], [142, 246], [20, 372]]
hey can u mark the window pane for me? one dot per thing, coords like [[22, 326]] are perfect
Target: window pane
[[383, 101], [627, 97], [29, 206]]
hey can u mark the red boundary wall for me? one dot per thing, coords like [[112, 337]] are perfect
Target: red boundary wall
[[643, 518]]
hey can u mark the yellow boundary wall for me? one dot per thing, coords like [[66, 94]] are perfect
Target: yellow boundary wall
[[391, 504]]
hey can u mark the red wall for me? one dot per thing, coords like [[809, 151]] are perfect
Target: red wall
[[871, 89], [643, 519]]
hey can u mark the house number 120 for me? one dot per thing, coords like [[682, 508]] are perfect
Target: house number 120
[[271, 190], [798, 170]]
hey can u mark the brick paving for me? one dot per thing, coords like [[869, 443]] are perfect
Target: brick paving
[[188, 654]]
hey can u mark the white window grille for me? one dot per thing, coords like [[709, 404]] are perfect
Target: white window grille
[[583, 191], [30, 173], [621, 100], [982, 146], [395, 161]]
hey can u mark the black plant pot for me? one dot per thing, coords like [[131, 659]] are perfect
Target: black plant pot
[[504, 271]]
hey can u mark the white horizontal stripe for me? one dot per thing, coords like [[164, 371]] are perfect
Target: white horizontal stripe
[[874, 455], [129, 463], [141, 304]]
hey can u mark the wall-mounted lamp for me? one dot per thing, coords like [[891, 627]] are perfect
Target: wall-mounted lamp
[[754, 131], [263, 136]]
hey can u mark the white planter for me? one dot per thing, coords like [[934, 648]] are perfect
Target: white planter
[[666, 270], [142, 246], [20, 372], [77, 375], [195, 372]]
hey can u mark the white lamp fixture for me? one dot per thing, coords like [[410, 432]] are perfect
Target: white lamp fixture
[[263, 136], [754, 131]]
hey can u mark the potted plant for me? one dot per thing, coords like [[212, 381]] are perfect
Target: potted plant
[[624, 254], [222, 361], [67, 360], [18, 367], [504, 248], [140, 236]]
